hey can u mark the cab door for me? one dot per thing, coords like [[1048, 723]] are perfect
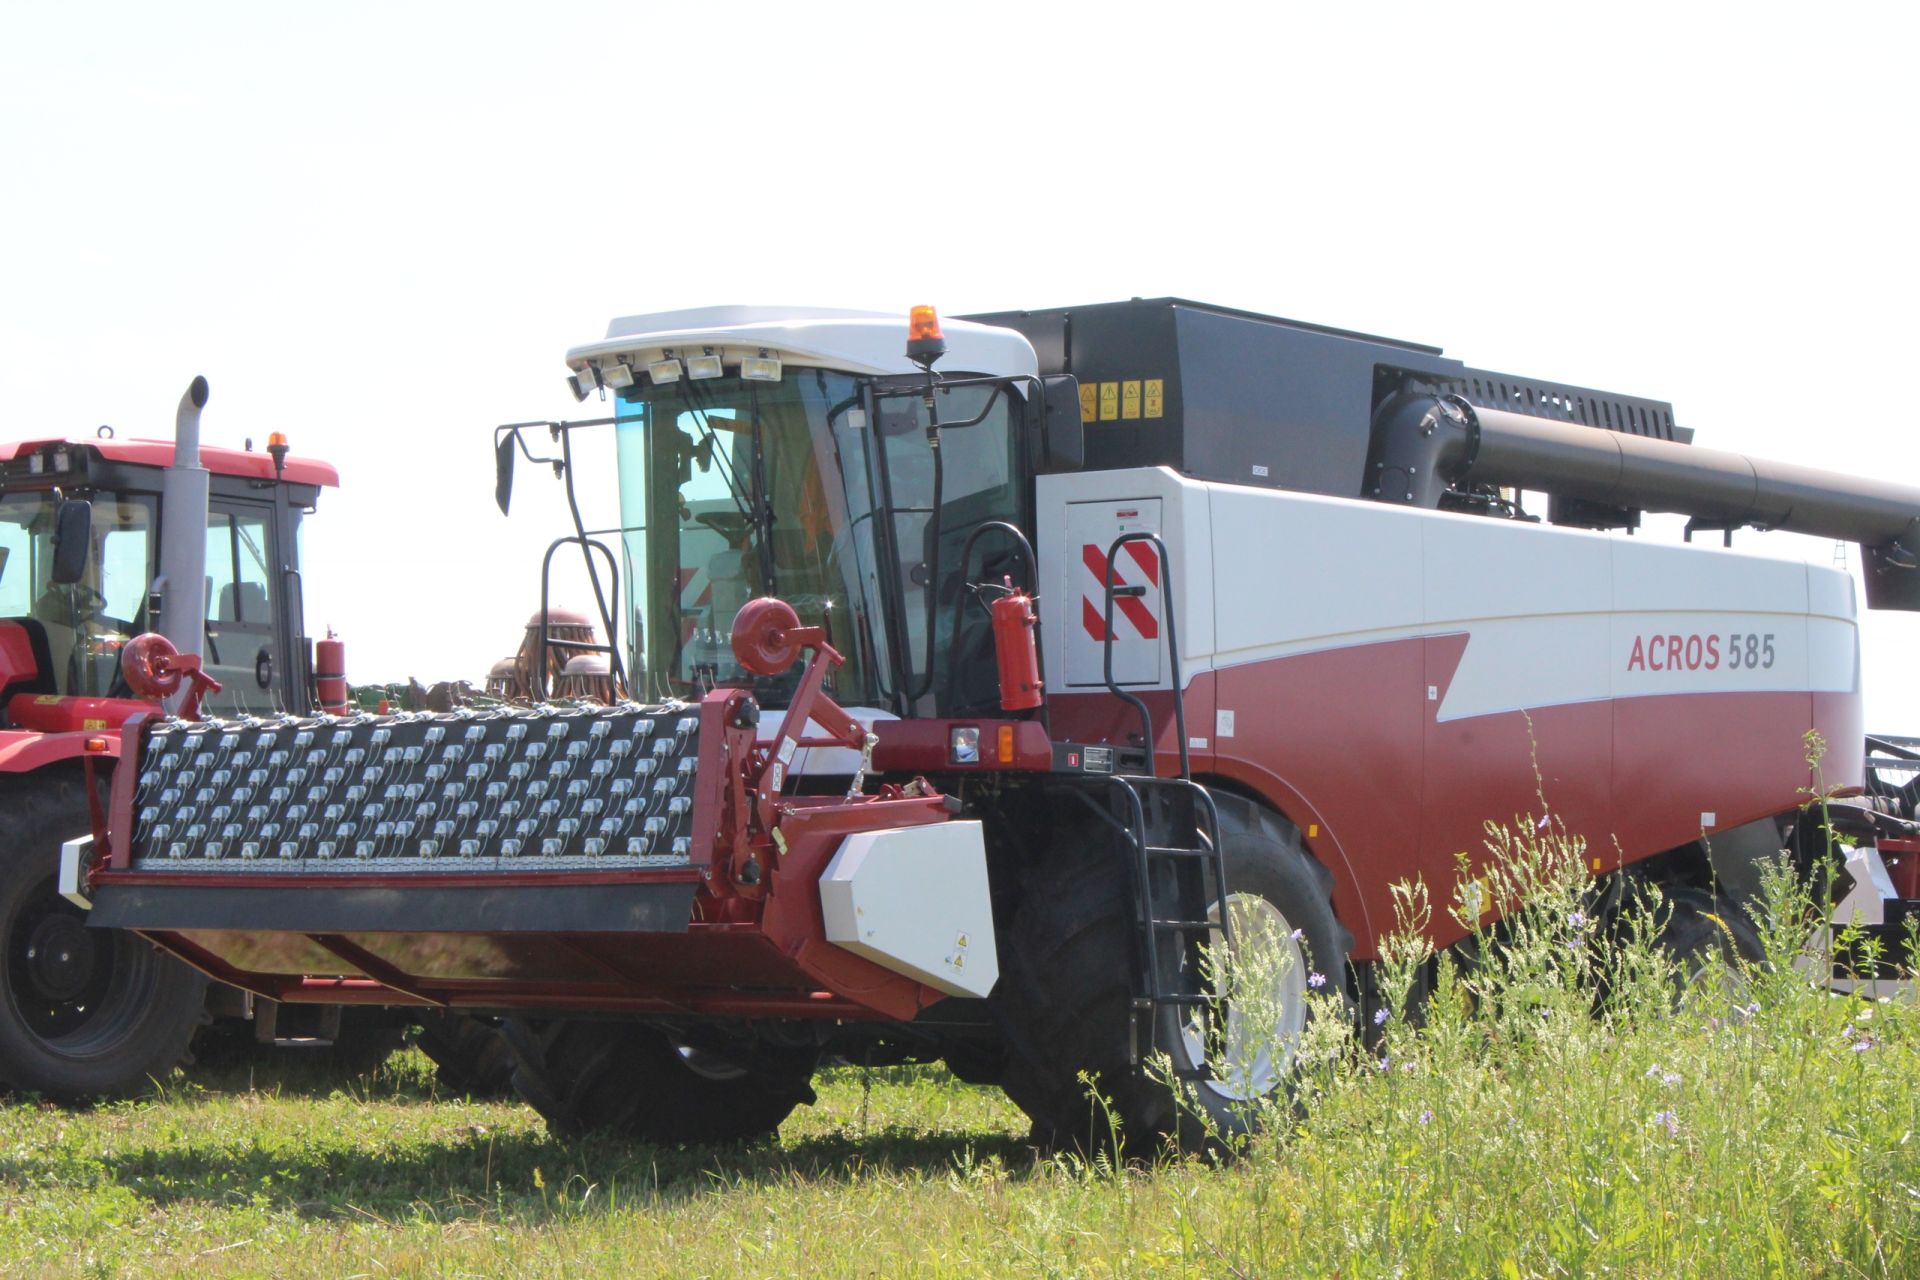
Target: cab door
[[242, 597]]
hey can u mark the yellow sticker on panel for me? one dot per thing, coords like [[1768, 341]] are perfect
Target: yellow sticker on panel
[[1109, 401], [1156, 402], [1130, 399], [1089, 401]]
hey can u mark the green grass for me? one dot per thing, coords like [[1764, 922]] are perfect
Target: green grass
[[1514, 1134]]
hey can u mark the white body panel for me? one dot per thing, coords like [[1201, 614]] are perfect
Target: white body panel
[[914, 900], [871, 342], [1553, 616]]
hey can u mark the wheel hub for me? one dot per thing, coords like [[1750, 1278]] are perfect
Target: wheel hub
[[60, 958], [1264, 991]]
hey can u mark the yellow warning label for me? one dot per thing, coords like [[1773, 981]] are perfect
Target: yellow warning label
[[48, 700], [1089, 401], [1109, 401], [1156, 402], [1130, 399], [93, 724]]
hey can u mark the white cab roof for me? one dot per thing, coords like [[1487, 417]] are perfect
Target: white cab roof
[[873, 342]]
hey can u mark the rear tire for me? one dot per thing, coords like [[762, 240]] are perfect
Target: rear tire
[[1066, 988], [85, 1013], [630, 1080]]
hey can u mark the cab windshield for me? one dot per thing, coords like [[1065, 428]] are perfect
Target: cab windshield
[[85, 623], [731, 489]]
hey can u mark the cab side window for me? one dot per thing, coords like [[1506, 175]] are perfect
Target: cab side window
[[237, 570], [240, 631]]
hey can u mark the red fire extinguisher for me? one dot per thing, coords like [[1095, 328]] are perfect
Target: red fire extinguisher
[[1016, 650], [330, 674]]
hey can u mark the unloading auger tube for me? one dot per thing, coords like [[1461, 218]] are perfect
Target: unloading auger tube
[[1426, 445]]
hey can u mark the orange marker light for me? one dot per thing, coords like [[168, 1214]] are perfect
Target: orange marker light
[[96, 744], [277, 440], [925, 342], [923, 325], [1004, 744]]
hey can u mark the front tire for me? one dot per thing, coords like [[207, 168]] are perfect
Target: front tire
[[1066, 989], [1709, 939], [85, 1013], [632, 1081]]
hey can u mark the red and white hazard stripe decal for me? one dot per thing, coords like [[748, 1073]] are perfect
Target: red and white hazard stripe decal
[[1135, 609]]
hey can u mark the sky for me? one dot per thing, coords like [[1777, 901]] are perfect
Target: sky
[[378, 227]]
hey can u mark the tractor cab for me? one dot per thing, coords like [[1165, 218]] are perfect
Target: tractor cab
[[815, 463], [62, 632]]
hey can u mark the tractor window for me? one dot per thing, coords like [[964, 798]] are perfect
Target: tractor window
[[87, 622], [237, 569], [977, 482], [736, 487], [16, 570]]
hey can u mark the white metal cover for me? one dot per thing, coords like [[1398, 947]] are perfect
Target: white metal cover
[[914, 900], [1138, 639]]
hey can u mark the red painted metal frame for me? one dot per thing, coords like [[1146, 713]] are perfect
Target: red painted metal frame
[[757, 857], [924, 746]]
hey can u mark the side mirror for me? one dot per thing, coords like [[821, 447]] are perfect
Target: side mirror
[[503, 469], [72, 538], [1054, 424]]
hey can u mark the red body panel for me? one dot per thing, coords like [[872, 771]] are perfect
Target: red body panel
[[1347, 744], [215, 458], [52, 713]]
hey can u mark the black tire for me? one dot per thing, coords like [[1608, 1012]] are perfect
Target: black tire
[[85, 1013], [470, 1056], [629, 1080], [1708, 938], [1066, 986]]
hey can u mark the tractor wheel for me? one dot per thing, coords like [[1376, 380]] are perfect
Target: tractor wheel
[[1708, 938], [1066, 988], [84, 1013], [633, 1081], [471, 1056]]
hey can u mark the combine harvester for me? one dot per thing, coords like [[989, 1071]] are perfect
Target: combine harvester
[[987, 679]]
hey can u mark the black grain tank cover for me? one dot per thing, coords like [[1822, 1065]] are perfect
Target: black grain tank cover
[[1222, 394]]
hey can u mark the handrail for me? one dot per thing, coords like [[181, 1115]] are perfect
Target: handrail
[[609, 615], [1173, 649]]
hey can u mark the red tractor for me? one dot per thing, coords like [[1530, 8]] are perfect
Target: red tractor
[[86, 1012], [1130, 632]]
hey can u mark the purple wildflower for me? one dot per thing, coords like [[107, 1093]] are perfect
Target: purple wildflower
[[1578, 920], [1316, 980], [1426, 1117], [1670, 1078], [1670, 1119], [1380, 1018], [1864, 1044]]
